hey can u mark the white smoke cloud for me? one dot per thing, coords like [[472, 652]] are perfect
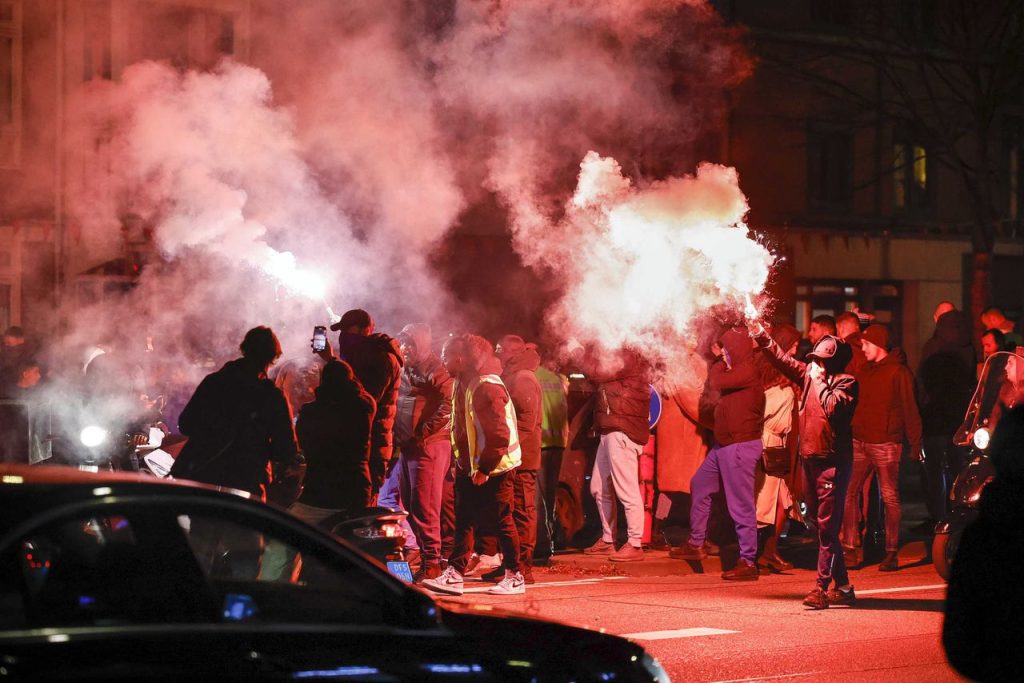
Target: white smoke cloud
[[647, 261]]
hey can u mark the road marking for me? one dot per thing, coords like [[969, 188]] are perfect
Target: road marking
[[879, 591], [771, 678], [678, 633], [485, 586]]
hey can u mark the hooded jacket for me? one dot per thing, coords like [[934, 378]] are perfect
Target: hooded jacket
[[946, 375], [524, 388], [826, 405], [424, 408], [377, 361], [238, 424], [623, 401], [334, 433], [488, 402], [887, 409], [739, 412]]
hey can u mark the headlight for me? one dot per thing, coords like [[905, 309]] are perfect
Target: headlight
[[981, 438], [92, 436]]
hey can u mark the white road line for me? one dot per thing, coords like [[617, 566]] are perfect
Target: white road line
[[771, 678], [484, 587], [903, 589], [678, 633]]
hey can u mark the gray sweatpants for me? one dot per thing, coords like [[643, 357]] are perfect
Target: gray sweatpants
[[616, 476]]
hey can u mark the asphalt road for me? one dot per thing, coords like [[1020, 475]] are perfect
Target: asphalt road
[[704, 629]]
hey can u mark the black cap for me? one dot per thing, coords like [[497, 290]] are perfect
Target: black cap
[[357, 317], [834, 353]]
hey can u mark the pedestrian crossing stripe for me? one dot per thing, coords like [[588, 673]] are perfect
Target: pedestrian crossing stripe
[[678, 633]]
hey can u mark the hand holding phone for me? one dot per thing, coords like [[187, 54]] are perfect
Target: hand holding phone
[[319, 338]]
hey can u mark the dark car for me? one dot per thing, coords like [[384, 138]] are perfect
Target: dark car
[[123, 576]]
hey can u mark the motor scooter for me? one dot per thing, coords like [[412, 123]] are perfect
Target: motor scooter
[[999, 389]]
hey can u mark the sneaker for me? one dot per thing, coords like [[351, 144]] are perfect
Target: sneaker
[[627, 553], [600, 547], [528, 576], [494, 575], [743, 571], [449, 582], [512, 584], [817, 599], [851, 557], [891, 562], [428, 570], [838, 596], [490, 561], [686, 551], [471, 564]]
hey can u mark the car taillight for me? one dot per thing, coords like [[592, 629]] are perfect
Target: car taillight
[[382, 531]]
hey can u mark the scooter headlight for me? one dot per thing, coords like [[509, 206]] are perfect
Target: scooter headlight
[[981, 438], [92, 436]]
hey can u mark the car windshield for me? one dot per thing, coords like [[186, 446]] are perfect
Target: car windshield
[[149, 564]]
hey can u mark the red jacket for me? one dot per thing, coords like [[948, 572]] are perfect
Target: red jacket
[[887, 410]]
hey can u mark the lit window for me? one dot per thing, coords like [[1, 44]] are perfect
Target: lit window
[[10, 83], [911, 187]]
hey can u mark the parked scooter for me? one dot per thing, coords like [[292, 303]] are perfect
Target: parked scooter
[[999, 387]]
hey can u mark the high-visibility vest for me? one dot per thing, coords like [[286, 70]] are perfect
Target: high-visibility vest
[[474, 433], [555, 415]]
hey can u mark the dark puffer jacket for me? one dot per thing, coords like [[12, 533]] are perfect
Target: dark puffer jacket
[[826, 406], [334, 433], [238, 424], [377, 362], [739, 413], [946, 375], [524, 387], [425, 395], [623, 401]]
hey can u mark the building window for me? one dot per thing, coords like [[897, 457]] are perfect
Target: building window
[[96, 43], [1013, 143], [829, 168], [912, 182], [10, 83]]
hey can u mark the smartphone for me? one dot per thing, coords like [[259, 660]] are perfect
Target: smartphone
[[319, 338]]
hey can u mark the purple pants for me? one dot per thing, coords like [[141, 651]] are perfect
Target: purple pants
[[422, 482], [730, 468], [829, 476]]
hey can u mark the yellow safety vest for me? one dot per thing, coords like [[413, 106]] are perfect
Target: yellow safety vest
[[514, 457]]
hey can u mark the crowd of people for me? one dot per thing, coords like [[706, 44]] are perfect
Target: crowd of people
[[469, 441]]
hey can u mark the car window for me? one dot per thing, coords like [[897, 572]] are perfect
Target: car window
[[160, 564]]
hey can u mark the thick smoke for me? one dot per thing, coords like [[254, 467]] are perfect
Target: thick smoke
[[331, 166], [643, 263]]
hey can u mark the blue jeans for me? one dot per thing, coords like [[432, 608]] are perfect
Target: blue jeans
[[390, 496], [422, 488], [730, 468], [883, 458]]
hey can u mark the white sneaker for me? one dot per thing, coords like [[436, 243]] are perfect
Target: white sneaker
[[512, 584], [449, 583]]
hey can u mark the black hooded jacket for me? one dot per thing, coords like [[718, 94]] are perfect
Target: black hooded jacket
[[238, 424], [623, 401], [739, 413], [334, 433], [946, 375], [524, 387], [377, 361]]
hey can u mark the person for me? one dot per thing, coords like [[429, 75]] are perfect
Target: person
[[424, 439], [992, 341], [886, 415], [239, 426], [945, 383], [334, 434], [554, 423], [14, 352], [621, 412], [730, 464], [994, 319], [519, 360], [377, 361], [485, 445], [774, 499], [827, 402], [820, 326], [20, 441], [982, 630], [848, 329]]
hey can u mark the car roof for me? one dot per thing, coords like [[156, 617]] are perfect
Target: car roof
[[58, 475]]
